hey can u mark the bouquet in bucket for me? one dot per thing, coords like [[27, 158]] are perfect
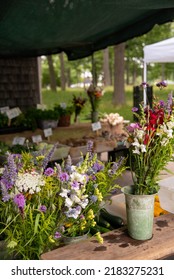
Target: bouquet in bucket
[[83, 188], [150, 141], [39, 204]]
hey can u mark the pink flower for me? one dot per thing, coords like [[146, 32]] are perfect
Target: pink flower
[[133, 126]]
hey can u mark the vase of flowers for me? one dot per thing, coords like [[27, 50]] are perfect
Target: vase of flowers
[[83, 188], [78, 103], [94, 93], [150, 142], [41, 204]]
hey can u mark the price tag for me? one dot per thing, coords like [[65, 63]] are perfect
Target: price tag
[[48, 132], [96, 126], [36, 138], [18, 140], [13, 113], [4, 109], [42, 106]]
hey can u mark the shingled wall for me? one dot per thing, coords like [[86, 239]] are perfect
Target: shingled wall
[[19, 83]]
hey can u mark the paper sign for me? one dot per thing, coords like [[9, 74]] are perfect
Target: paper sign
[[18, 140], [13, 113], [36, 138], [4, 109], [96, 126], [48, 132], [42, 106]]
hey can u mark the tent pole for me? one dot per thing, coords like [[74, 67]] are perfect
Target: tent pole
[[145, 81]]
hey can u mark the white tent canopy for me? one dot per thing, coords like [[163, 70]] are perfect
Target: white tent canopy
[[160, 52]]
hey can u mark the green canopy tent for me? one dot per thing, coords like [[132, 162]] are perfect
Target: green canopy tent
[[77, 27]]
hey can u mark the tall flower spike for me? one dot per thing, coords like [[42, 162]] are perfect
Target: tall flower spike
[[10, 172], [49, 156], [68, 164]]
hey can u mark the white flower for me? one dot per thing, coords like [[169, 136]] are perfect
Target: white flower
[[139, 134], [28, 182], [81, 178], [170, 124], [136, 151], [73, 212], [68, 202], [164, 141], [84, 203], [136, 143], [143, 148], [64, 192]]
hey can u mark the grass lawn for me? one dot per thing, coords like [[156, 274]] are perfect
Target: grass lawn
[[51, 98]]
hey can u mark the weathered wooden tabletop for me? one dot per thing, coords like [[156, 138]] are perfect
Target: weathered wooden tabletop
[[118, 245]]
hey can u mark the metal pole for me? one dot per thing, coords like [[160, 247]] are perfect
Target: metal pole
[[144, 88]]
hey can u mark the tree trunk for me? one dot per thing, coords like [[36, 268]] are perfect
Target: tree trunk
[[119, 94], [106, 70], [62, 71], [52, 73]]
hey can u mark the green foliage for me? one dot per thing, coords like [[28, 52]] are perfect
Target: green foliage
[[3, 120]]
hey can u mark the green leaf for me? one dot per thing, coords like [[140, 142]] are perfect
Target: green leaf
[[36, 223]]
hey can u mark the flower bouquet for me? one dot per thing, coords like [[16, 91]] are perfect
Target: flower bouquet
[[29, 206], [83, 188], [150, 142], [94, 93], [78, 103], [40, 204]]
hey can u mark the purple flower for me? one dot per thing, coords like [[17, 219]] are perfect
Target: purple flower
[[132, 127], [57, 235], [75, 185], [10, 172], [162, 103], [64, 176], [93, 198], [97, 167], [68, 164], [43, 208], [49, 156], [90, 146], [19, 200], [49, 171], [134, 109], [161, 84], [144, 85]]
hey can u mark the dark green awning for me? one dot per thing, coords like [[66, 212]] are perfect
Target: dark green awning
[[77, 27]]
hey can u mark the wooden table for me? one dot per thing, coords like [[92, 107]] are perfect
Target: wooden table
[[118, 245]]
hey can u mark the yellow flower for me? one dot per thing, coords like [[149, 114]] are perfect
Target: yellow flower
[[98, 194], [99, 238], [90, 215], [83, 224], [68, 225]]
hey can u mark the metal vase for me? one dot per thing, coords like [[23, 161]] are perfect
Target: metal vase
[[140, 214]]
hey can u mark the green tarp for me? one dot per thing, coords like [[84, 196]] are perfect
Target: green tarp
[[77, 27]]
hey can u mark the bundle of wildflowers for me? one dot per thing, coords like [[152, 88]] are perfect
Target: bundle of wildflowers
[[83, 188], [79, 103], [29, 206], [94, 93], [150, 141], [39, 203]]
